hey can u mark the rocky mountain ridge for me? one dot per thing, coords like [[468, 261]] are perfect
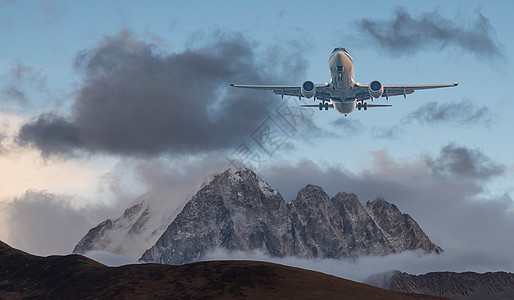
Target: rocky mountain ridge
[[237, 210], [466, 285]]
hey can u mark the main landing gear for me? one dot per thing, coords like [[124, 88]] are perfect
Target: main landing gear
[[360, 106], [323, 105]]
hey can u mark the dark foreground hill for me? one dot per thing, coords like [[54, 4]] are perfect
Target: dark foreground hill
[[76, 277]]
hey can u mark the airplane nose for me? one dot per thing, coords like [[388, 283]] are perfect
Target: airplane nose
[[340, 57]]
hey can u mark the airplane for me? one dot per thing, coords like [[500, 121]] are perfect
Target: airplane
[[343, 93]]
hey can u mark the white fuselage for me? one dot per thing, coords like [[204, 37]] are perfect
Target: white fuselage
[[342, 81]]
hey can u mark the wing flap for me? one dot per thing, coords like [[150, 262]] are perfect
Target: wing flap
[[288, 90]]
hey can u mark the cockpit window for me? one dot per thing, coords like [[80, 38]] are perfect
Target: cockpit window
[[339, 49]]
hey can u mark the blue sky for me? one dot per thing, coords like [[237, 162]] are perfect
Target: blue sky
[[48, 71]]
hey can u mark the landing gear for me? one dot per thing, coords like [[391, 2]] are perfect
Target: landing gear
[[323, 105], [365, 106], [359, 106], [362, 105]]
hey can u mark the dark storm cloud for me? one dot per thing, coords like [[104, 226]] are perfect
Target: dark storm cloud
[[445, 194], [406, 34], [460, 113], [137, 100], [52, 134], [464, 162]]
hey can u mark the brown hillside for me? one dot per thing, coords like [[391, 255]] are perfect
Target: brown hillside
[[64, 277]]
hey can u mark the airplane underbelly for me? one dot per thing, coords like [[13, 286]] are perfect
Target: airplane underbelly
[[345, 107]]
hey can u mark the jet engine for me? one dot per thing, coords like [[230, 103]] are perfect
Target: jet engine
[[376, 89], [308, 89]]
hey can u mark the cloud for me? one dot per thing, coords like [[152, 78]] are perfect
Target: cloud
[[20, 81], [52, 134], [136, 99], [406, 34], [42, 223], [132, 177], [445, 193], [464, 162], [45, 223], [351, 126], [387, 133], [51, 11], [361, 269], [3, 136], [461, 113]]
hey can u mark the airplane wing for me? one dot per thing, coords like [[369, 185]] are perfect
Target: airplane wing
[[288, 90], [362, 92]]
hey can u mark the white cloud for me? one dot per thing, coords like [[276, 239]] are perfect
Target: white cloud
[[361, 269]]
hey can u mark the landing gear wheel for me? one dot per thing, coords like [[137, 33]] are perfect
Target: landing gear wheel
[[359, 106], [365, 106], [320, 106], [326, 106]]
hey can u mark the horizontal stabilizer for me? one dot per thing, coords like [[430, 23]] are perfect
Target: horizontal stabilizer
[[316, 105], [378, 105]]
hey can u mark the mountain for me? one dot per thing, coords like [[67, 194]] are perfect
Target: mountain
[[467, 285], [140, 225], [237, 210], [76, 277]]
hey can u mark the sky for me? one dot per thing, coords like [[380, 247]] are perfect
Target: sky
[[101, 101]]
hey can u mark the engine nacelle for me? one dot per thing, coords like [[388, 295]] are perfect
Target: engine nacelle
[[308, 89], [376, 89]]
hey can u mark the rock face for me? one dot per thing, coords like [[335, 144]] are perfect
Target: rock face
[[467, 285], [237, 210]]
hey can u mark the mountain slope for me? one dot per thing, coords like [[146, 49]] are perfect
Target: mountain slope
[[237, 210], [76, 277], [140, 225], [467, 285]]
